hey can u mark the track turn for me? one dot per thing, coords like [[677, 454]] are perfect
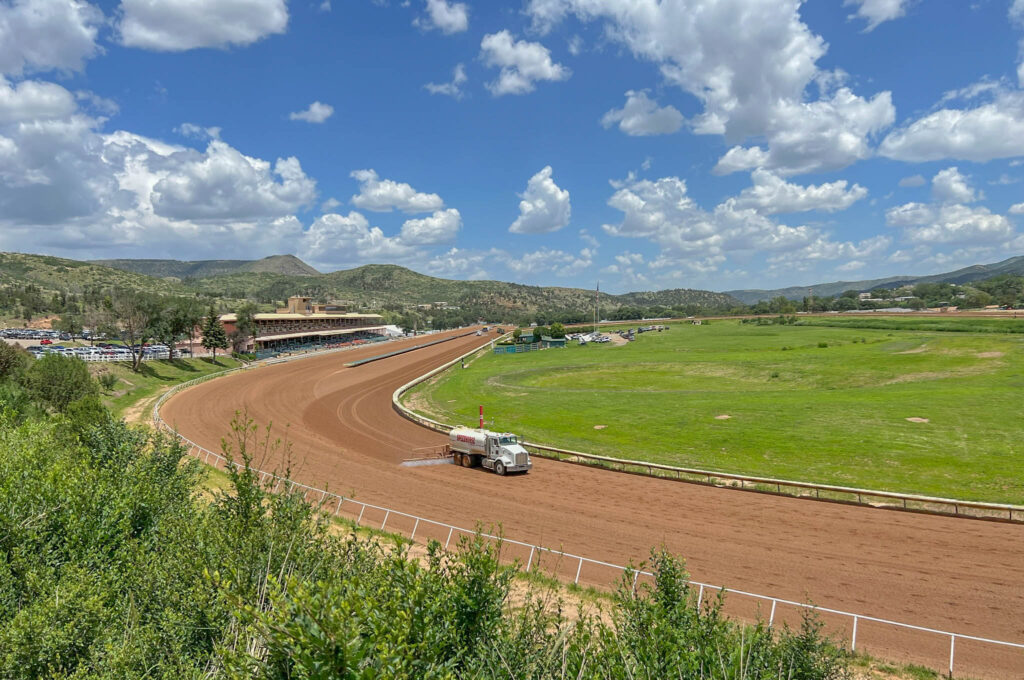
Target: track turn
[[964, 576]]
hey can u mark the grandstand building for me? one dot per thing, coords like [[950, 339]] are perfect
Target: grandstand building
[[303, 323]]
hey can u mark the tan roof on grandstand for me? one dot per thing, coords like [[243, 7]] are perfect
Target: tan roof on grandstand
[[293, 317], [306, 334]]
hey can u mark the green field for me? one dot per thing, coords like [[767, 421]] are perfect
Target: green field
[[798, 410]]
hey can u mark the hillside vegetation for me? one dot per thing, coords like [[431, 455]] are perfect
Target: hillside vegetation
[[376, 287], [275, 264], [56, 274], [1013, 266]]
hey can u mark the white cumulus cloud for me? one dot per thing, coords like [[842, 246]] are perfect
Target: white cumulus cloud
[[913, 181], [948, 220], [558, 262], [463, 263], [441, 227], [522, 63], [950, 186], [1017, 209], [447, 17], [751, 64], [43, 35], [951, 223], [701, 241], [316, 113], [770, 194], [385, 195], [878, 11], [346, 240], [642, 116], [544, 206], [986, 132], [223, 183], [453, 88], [176, 25]]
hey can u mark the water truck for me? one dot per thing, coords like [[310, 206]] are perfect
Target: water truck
[[498, 451]]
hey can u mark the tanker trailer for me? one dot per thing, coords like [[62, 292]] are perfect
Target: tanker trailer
[[497, 451]]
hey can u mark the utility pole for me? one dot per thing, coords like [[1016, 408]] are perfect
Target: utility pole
[[597, 304]]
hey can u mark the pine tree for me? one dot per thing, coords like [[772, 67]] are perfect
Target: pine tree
[[214, 337]]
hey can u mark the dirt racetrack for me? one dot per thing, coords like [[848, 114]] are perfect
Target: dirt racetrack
[[964, 576]]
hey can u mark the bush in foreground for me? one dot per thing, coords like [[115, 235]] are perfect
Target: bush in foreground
[[112, 565]]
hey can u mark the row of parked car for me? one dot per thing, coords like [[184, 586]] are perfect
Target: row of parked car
[[106, 352], [33, 334]]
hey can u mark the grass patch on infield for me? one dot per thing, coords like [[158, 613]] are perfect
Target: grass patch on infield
[[806, 402]]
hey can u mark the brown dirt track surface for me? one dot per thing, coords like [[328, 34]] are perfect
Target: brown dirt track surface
[[964, 576]]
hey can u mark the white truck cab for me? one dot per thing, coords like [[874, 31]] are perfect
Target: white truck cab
[[498, 451]]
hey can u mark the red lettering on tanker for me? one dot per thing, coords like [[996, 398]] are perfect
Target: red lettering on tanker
[[465, 438]]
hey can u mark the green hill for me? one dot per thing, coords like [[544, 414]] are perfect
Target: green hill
[[1014, 265], [72, 276], [376, 287], [288, 265], [381, 286]]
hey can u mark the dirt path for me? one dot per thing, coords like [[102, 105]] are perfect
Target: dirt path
[[952, 574]]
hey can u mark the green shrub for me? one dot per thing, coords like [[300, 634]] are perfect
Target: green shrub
[[112, 567], [56, 380], [13, 361], [108, 381], [823, 344], [86, 413]]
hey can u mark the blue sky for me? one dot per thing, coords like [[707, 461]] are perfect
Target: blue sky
[[647, 144]]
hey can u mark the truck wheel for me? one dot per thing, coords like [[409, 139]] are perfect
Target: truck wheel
[[499, 468]]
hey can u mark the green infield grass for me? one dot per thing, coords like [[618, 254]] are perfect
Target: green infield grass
[[810, 403]]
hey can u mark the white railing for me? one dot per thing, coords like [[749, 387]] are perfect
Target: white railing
[[782, 487], [333, 505], [325, 499]]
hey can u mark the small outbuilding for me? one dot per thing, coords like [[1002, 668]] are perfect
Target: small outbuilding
[[547, 342]]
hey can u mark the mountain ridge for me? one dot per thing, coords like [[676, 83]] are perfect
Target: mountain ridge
[[1013, 265], [379, 287], [288, 265]]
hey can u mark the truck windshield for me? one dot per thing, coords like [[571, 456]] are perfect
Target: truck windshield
[[507, 440]]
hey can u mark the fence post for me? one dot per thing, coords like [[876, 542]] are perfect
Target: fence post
[[952, 651], [450, 530], [853, 644], [384, 523], [414, 528], [529, 562], [578, 570], [700, 595], [361, 511], [771, 618]]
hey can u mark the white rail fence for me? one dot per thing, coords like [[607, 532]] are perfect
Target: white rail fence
[[782, 487], [333, 504], [326, 500]]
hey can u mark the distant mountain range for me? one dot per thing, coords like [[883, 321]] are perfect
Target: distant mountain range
[[373, 286], [1014, 265], [390, 286], [288, 265]]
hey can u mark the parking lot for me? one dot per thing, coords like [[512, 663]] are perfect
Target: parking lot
[[42, 342]]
